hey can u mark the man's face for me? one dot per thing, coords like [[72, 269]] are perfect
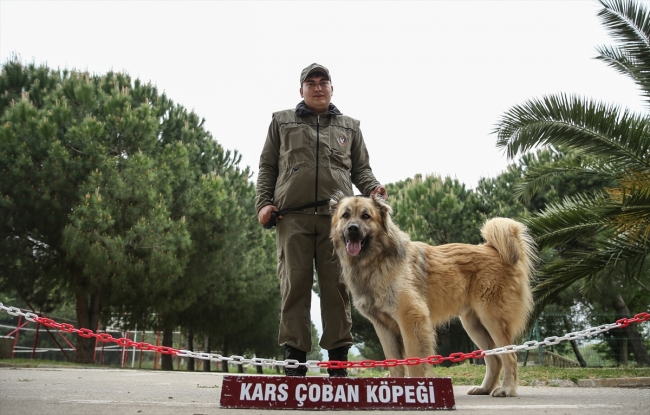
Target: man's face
[[317, 91]]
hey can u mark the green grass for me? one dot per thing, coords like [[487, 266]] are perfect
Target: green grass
[[467, 374]]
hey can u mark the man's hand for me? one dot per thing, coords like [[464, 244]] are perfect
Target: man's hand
[[265, 213], [379, 191]]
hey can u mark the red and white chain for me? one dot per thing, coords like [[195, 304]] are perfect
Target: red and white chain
[[333, 364]]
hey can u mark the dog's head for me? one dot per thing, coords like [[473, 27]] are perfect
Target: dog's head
[[357, 221]]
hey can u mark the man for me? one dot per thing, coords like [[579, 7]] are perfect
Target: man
[[309, 153]]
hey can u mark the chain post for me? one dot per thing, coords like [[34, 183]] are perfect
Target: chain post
[[540, 354]]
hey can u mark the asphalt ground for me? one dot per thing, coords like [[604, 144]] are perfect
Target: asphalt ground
[[70, 391]]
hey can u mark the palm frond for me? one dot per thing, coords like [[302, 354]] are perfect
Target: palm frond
[[634, 216], [569, 220], [619, 211], [558, 275], [580, 125], [628, 65], [538, 176], [546, 289], [628, 22]]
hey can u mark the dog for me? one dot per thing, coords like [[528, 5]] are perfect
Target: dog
[[407, 289]]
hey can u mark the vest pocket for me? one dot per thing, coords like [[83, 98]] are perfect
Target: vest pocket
[[339, 159], [294, 136], [288, 174]]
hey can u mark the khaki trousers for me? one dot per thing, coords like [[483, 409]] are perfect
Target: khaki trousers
[[303, 242]]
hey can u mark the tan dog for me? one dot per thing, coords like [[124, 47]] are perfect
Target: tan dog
[[407, 289]]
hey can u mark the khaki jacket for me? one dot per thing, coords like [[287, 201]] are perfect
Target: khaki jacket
[[307, 157]]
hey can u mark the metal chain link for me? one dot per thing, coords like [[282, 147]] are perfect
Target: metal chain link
[[332, 364]]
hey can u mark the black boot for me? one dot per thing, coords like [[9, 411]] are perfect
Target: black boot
[[340, 354], [295, 354]]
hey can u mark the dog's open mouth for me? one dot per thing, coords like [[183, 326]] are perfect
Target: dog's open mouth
[[353, 246]]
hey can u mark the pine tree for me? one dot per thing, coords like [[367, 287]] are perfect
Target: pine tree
[[112, 196]]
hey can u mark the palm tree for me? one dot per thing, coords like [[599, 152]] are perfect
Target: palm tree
[[603, 234]]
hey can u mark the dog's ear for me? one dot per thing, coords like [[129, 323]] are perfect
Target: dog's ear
[[335, 199], [384, 209]]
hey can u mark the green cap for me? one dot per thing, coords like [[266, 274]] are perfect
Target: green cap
[[314, 67]]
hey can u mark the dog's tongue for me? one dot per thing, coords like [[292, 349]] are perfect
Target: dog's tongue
[[353, 247]]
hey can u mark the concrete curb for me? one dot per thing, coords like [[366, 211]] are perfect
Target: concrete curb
[[615, 383]]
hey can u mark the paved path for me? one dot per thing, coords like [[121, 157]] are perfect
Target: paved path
[[61, 391]]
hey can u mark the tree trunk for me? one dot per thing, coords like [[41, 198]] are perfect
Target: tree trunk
[[634, 338], [168, 341], [621, 350], [224, 363], [88, 306], [207, 363], [190, 347], [574, 345]]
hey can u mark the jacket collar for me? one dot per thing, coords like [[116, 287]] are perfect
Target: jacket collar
[[301, 109]]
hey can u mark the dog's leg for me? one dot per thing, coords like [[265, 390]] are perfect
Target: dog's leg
[[418, 334], [500, 331], [480, 335], [510, 376], [391, 342]]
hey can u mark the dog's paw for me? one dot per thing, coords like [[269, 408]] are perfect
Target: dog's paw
[[477, 390], [503, 392]]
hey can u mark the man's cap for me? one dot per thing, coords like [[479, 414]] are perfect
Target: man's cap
[[314, 67]]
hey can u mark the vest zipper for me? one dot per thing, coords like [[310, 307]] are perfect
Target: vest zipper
[[317, 157]]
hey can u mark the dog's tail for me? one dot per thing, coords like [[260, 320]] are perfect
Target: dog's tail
[[513, 242], [517, 249]]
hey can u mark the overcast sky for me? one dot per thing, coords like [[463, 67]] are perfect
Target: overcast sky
[[428, 80]]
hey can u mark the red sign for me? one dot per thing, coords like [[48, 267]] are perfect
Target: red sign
[[315, 392]]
